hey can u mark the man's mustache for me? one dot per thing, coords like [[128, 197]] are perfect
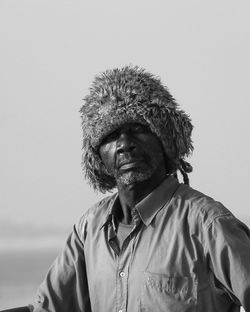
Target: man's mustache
[[128, 158]]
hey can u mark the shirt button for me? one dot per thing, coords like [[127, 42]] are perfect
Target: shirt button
[[122, 274]]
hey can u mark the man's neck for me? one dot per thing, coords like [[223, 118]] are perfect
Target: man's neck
[[130, 195]]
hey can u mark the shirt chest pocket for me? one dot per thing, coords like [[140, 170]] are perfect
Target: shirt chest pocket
[[168, 293]]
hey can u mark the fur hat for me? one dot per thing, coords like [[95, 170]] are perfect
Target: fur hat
[[130, 94]]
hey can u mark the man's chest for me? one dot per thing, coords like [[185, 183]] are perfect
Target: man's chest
[[158, 263]]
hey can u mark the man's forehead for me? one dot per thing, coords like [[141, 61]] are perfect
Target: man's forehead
[[127, 126]]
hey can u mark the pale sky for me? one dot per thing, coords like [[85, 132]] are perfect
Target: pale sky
[[50, 52]]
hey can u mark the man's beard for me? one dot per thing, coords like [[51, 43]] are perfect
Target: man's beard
[[136, 175], [131, 177]]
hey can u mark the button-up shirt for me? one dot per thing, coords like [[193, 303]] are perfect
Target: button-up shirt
[[186, 252]]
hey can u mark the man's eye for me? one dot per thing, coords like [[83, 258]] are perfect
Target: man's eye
[[112, 136], [140, 129]]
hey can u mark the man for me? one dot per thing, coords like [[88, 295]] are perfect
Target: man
[[157, 244]]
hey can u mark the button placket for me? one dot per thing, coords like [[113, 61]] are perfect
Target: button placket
[[122, 280], [123, 263]]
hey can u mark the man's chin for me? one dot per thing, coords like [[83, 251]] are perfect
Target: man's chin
[[131, 177]]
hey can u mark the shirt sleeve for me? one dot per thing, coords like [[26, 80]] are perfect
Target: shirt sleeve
[[65, 287], [227, 244]]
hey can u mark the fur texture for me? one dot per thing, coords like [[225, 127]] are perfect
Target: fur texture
[[131, 94]]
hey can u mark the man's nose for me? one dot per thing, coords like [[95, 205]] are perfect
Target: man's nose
[[124, 143]]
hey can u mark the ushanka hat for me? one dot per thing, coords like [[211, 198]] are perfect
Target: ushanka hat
[[126, 95]]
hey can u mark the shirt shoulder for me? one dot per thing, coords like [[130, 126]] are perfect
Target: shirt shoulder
[[94, 217], [200, 206]]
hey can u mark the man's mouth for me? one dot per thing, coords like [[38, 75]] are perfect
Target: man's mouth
[[131, 164]]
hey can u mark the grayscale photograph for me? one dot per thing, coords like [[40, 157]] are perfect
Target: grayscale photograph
[[124, 156]]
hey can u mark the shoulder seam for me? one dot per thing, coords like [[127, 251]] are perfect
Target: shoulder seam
[[226, 214]]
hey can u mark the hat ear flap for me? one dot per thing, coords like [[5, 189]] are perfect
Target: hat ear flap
[[95, 171], [179, 132], [185, 128]]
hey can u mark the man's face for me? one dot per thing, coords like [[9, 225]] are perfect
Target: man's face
[[132, 154]]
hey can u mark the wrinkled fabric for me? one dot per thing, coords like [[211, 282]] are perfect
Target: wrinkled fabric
[[186, 252]]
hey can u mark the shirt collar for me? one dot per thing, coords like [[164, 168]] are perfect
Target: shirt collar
[[159, 197], [109, 215], [148, 207]]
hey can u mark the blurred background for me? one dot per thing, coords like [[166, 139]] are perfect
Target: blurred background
[[50, 52]]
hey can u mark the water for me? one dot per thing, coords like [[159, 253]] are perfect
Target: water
[[21, 273]]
